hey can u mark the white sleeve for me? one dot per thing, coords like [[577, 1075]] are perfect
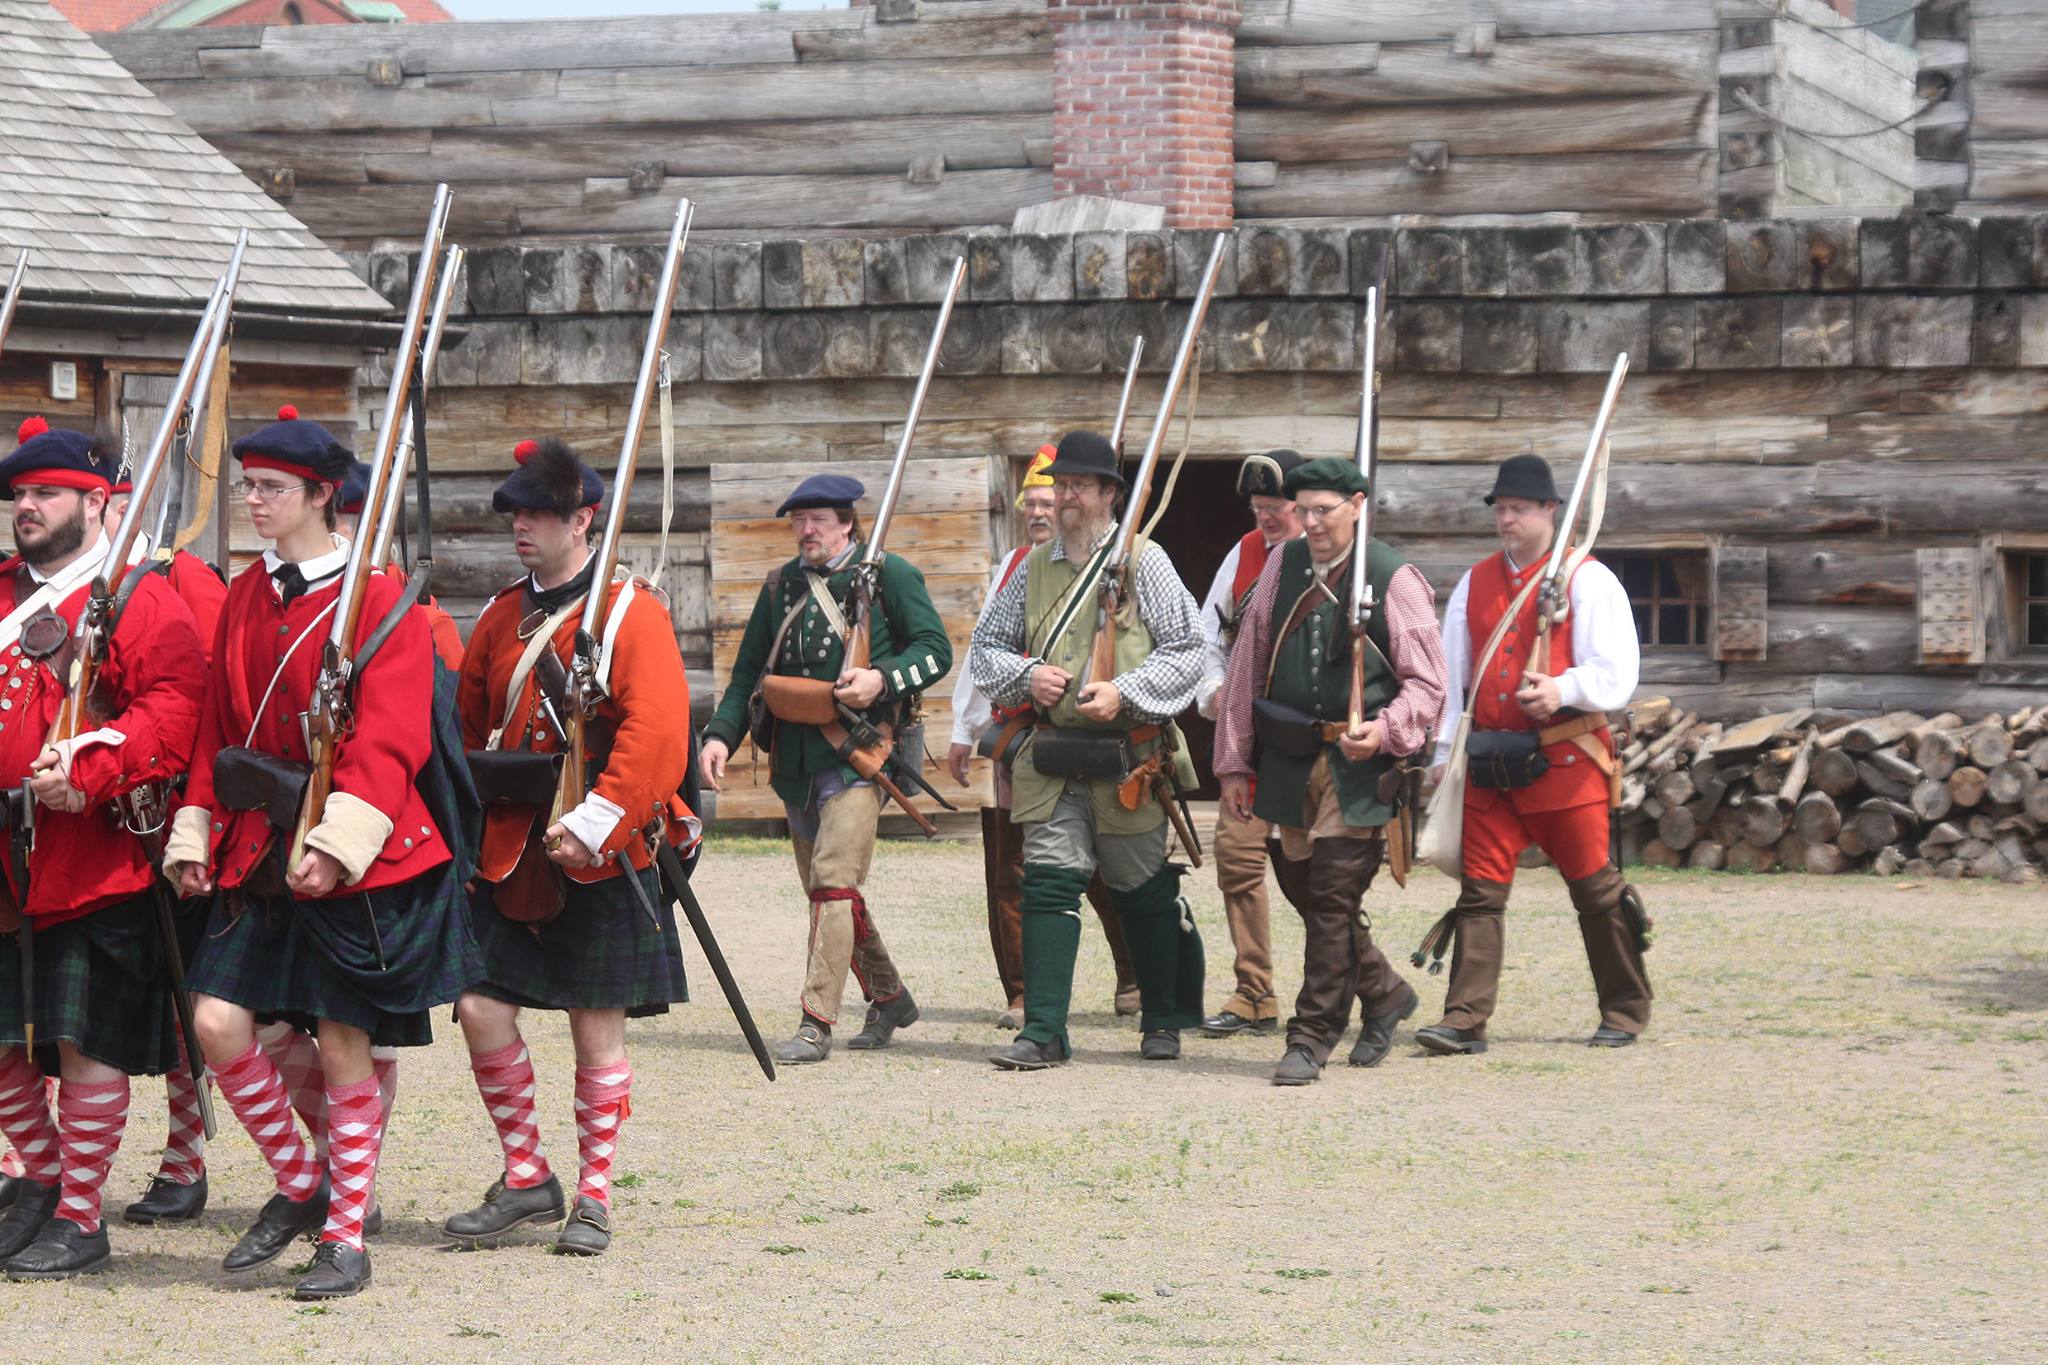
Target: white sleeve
[[1457, 670], [1214, 607], [971, 712], [1607, 659]]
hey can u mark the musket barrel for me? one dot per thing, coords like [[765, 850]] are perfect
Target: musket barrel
[[1561, 544], [1361, 587], [349, 608], [393, 511], [636, 417], [886, 512], [1175, 377], [1123, 402], [13, 296]]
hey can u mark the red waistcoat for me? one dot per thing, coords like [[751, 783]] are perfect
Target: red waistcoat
[[150, 686], [1251, 558], [1573, 778]]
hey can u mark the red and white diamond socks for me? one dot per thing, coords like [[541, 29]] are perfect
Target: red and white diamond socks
[[504, 1077], [602, 1104]]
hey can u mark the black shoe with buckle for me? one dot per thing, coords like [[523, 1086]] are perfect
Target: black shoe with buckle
[[167, 1201], [1160, 1045], [883, 1021], [588, 1231], [281, 1223], [1609, 1036], [813, 1043], [339, 1271], [1376, 1035], [1224, 1024], [61, 1250], [1028, 1055], [503, 1210], [1446, 1041], [33, 1206]]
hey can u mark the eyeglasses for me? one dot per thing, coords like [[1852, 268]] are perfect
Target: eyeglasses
[[265, 492], [1318, 515]]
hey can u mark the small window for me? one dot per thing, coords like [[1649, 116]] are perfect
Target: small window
[[1669, 593], [2027, 571], [293, 15]]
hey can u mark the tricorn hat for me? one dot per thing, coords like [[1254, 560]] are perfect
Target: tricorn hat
[[1264, 476]]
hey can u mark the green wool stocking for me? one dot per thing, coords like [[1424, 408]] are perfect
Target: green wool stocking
[[1166, 950], [1052, 936]]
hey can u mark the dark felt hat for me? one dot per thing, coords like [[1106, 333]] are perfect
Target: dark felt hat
[[823, 490], [549, 479], [294, 445], [1085, 453], [59, 458], [1329, 474], [354, 488], [1524, 476], [1265, 476]]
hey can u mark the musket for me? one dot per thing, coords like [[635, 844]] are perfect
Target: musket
[[1123, 402], [1362, 603], [393, 511], [329, 714], [1551, 601], [194, 427], [586, 690], [13, 298], [1102, 658], [97, 621]]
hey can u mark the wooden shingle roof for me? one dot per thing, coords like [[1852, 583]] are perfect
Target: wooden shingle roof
[[117, 199]]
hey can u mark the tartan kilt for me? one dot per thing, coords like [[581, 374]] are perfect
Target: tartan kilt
[[380, 961], [600, 953], [99, 986]]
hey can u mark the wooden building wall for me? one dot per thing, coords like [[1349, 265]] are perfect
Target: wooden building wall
[[842, 120], [1837, 414]]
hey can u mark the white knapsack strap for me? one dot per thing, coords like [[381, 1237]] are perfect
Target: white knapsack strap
[[256, 716], [528, 657]]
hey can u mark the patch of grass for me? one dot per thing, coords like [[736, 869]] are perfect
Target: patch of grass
[[1302, 1273], [629, 1181], [811, 1218], [313, 1310], [463, 1329], [958, 1274], [782, 1249], [858, 1208], [1117, 1296], [1665, 1289], [1139, 1319], [686, 1203], [959, 1190]]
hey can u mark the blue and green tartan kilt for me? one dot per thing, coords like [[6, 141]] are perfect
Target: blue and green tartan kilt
[[600, 953], [378, 961], [99, 985]]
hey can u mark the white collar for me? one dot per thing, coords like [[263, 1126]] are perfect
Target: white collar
[[319, 566], [533, 583], [71, 572]]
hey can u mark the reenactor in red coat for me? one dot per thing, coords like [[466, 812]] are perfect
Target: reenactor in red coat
[[569, 911], [367, 932], [81, 967]]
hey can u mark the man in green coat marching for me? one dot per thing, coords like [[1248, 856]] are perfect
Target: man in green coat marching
[[1285, 718], [814, 699], [1070, 793]]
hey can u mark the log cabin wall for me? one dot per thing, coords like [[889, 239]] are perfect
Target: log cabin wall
[[907, 118], [1841, 423]]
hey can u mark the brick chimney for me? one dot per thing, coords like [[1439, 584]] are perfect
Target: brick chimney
[[1143, 102]]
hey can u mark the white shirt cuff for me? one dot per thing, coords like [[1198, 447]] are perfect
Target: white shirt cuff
[[594, 821]]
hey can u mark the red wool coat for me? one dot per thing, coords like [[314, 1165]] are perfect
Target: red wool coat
[[379, 760], [200, 589], [151, 684]]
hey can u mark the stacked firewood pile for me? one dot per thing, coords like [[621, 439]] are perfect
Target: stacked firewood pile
[[1824, 792]]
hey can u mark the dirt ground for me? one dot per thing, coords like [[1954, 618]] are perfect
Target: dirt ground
[[1831, 1145]]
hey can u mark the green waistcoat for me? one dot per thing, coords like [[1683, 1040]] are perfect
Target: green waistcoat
[[1047, 584], [1312, 673], [907, 644]]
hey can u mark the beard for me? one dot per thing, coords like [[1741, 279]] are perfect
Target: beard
[[61, 540]]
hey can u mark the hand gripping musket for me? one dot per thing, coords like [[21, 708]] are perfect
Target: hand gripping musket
[[329, 714], [871, 754], [586, 689], [392, 514], [1552, 600], [13, 297], [1116, 567]]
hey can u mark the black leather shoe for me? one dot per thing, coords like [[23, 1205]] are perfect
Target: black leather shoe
[[588, 1231], [10, 1186], [166, 1201], [279, 1225], [1446, 1041], [1609, 1036], [1026, 1055], [1160, 1045], [503, 1210], [1376, 1035], [1298, 1067], [812, 1043], [60, 1251], [1224, 1024], [33, 1206], [339, 1271], [883, 1021]]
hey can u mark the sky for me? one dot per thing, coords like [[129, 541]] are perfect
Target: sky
[[586, 9]]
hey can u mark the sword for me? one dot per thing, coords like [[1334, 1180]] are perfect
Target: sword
[[678, 882], [21, 837], [181, 1001]]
